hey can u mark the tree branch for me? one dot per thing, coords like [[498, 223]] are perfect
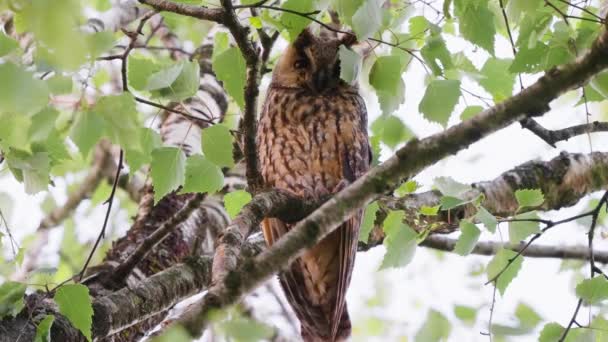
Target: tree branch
[[564, 180], [141, 251], [249, 125], [200, 12], [553, 136], [407, 162], [581, 252]]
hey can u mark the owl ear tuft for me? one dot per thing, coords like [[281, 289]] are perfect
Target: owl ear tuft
[[305, 39]]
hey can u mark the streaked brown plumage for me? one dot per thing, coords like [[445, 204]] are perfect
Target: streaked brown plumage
[[312, 141]]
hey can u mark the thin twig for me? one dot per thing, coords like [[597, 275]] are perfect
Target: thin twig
[[172, 110], [133, 37], [548, 225], [593, 268], [109, 201]]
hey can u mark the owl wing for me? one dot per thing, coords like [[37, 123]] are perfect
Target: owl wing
[[355, 162]]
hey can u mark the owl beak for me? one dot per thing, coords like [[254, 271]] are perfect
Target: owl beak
[[321, 79]]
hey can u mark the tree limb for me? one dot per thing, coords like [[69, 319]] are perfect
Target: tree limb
[[407, 162], [250, 52], [553, 136], [564, 180], [578, 252], [200, 12]]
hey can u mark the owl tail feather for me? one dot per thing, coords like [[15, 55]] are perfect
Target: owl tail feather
[[342, 333]]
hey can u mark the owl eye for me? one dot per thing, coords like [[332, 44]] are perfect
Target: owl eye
[[300, 64]]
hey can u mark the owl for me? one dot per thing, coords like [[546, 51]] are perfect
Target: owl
[[312, 141]]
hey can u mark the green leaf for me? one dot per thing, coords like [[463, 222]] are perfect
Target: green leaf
[[168, 170], [174, 334], [346, 9], [229, 67], [43, 330], [594, 290], [292, 22], [20, 92], [255, 22], [99, 42], [435, 328], [391, 130], [498, 263], [400, 241], [495, 80], [367, 19], [516, 7], [165, 77], [121, 120], [468, 238], [43, 123], [7, 44], [75, 304], [350, 64], [429, 211], [476, 23], [599, 84], [183, 86], [406, 188], [235, 201], [449, 187], [436, 54], [488, 220], [449, 202], [598, 330], [202, 176], [539, 58], [369, 216], [11, 298], [59, 84], [13, 130], [139, 69], [527, 317], [466, 314], [217, 145], [32, 169], [243, 329], [470, 112], [418, 25], [440, 98], [55, 24], [520, 230], [529, 198], [87, 129], [533, 25], [150, 140], [552, 332], [385, 77], [221, 43]]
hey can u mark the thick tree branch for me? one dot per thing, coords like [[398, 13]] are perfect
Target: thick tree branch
[[267, 204], [407, 162], [563, 180]]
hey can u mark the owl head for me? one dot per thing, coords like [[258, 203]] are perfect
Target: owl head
[[311, 61]]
